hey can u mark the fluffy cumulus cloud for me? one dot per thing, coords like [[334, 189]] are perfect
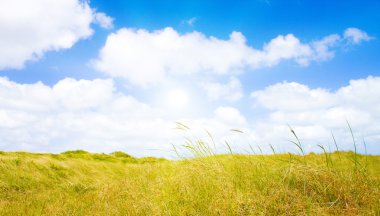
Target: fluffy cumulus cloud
[[144, 58], [231, 91], [73, 114], [314, 113], [28, 29]]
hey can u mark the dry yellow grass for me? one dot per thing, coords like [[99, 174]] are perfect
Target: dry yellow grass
[[80, 183]]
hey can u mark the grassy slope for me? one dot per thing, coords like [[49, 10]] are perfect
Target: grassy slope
[[79, 183]]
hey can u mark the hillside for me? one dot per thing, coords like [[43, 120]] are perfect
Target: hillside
[[81, 183]]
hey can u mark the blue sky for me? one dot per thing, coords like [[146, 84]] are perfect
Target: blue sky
[[101, 72]]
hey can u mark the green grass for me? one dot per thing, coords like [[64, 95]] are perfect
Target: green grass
[[81, 183]]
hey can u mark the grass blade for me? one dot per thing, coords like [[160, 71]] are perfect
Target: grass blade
[[229, 147]]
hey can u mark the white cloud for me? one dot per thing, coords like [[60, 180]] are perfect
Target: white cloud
[[145, 58], [322, 47], [356, 36], [314, 112], [28, 29], [76, 114], [231, 91], [103, 20], [285, 47]]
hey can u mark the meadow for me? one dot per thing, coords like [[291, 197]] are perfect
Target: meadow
[[82, 183]]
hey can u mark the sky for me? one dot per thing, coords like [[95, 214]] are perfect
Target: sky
[[107, 76]]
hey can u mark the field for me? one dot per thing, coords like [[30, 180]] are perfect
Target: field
[[82, 183]]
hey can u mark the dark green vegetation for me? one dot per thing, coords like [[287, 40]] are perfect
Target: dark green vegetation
[[81, 183]]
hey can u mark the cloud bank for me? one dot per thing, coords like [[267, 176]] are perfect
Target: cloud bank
[[93, 115], [146, 58], [88, 114]]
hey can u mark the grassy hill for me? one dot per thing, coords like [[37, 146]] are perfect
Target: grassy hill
[[81, 183]]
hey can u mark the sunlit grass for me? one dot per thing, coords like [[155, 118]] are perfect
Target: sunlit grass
[[82, 183]]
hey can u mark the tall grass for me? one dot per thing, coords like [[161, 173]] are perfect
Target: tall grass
[[82, 183], [297, 142], [355, 148]]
